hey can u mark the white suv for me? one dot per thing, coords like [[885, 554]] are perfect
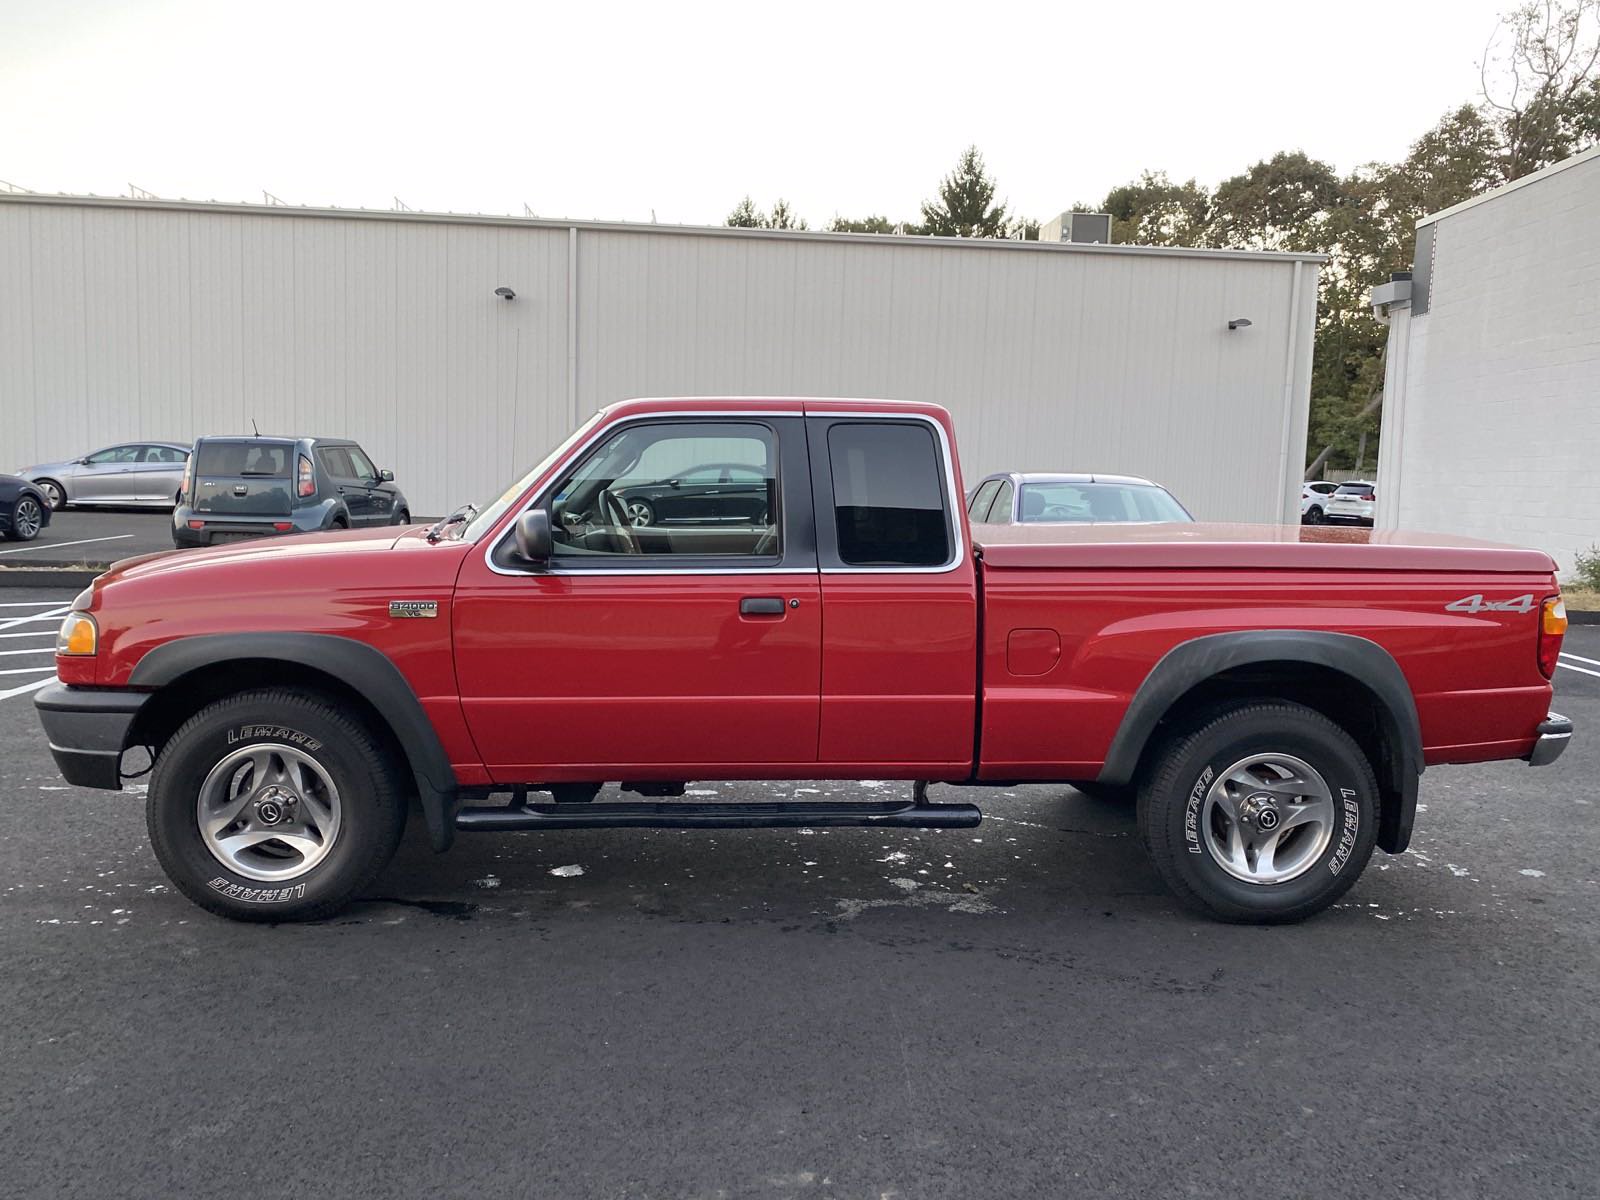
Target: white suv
[[1313, 501], [1352, 502]]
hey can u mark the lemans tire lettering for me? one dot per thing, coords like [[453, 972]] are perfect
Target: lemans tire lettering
[[1191, 810], [282, 733], [255, 895], [1347, 830]]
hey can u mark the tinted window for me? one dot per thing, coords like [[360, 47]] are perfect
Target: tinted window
[[163, 454], [888, 506], [336, 462], [622, 500], [1093, 503], [979, 507], [361, 463], [242, 458], [1354, 489], [1000, 509], [1322, 489]]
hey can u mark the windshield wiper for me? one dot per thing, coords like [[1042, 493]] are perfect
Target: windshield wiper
[[465, 513]]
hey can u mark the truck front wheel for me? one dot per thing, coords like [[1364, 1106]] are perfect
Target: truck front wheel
[[274, 805], [1265, 812]]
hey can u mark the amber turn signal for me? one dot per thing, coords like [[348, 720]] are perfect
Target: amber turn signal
[[79, 635], [1552, 627]]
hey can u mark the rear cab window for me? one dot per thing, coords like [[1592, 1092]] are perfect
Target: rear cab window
[[889, 504], [242, 458]]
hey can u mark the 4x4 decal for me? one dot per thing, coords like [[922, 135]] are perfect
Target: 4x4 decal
[[1477, 604]]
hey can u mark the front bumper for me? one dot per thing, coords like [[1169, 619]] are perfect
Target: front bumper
[[88, 731], [1555, 732]]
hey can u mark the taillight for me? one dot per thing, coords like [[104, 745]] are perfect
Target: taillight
[[188, 481], [1369, 496], [193, 524], [1552, 628], [308, 484], [283, 526]]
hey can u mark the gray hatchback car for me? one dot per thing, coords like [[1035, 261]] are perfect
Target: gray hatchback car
[[249, 487]]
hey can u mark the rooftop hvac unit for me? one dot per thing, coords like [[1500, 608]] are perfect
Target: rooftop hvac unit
[[1077, 227]]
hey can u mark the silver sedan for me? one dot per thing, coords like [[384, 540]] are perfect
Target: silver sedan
[[141, 474]]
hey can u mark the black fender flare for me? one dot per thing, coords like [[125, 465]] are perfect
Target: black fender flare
[[366, 669], [1367, 663]]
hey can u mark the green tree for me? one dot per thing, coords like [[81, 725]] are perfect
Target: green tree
[[872, 224], [783, 217], [1539, 83], [745, 215], [965, 205], [1154, 211]]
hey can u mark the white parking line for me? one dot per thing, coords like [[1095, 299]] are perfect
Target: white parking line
[[30, 633], [29, 670], [1579, 670], [1580, 658], [44, 616], [28, 650], [115, 537], [27, 603], [27, 687]]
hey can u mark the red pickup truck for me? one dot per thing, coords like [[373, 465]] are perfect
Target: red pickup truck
[[1268, 703]]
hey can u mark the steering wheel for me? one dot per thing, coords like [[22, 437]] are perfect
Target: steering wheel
[[617, 514]]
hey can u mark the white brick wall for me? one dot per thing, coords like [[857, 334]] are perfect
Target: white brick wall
[[1499, 418]]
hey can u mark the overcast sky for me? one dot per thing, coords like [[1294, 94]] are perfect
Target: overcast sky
[[614, 111]]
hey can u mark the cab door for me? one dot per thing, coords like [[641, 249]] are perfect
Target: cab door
[[900, 645], [649, 653]]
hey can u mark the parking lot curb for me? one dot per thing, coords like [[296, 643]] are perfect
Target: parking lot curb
[[1581, 616], [33, 577]]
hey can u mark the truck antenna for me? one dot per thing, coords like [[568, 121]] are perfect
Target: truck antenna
[[255, 427]]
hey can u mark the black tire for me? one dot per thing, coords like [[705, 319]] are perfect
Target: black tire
[[401, 517], [1174, 789], [573, 793], [27, 518], [1314, 516], [339, 523], [56, 498], [372, 796], [1107, 793]]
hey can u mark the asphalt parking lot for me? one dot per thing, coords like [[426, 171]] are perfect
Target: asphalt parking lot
[[92, 535], [1013, 1010]]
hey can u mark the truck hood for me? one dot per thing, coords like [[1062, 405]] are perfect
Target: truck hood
[[1251, 546], [282, 550]]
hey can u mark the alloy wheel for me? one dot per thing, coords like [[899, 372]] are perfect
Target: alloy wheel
[[1268, 818], [27, 519], [268, 812]]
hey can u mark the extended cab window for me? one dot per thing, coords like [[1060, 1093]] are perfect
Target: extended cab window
[[888, 506], [672, 488]]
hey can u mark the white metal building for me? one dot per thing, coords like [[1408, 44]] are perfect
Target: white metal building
[[123, 318], [1491, 423]]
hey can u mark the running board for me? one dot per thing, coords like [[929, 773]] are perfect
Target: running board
[[716, 816]]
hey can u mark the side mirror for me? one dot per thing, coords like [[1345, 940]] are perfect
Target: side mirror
[[386, 476], [534, 544]]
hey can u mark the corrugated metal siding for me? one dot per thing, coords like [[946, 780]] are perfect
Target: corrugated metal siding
[[164, 322], [1496, 428]]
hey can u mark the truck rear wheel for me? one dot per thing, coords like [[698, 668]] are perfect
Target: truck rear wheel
[[274, 805], [1265, 813]]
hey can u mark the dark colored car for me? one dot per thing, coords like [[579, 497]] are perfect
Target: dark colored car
[[708, 494], [24, 509], [248, 487]]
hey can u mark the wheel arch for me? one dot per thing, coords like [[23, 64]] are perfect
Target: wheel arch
[[188, 673], [1352, 680]]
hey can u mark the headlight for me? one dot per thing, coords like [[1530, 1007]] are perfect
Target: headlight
[[79, 635]]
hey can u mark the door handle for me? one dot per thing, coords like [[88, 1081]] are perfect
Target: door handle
[[761, 606]]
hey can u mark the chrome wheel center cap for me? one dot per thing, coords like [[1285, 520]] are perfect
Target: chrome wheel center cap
[[1261, 810], [274, 805]]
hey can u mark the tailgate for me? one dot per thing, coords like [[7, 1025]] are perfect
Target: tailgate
[[243, 478]]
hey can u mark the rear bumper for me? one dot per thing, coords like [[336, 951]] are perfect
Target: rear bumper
[[87, 731], [1555, 732]]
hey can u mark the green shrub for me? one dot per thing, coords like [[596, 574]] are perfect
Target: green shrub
[[1587, 573]]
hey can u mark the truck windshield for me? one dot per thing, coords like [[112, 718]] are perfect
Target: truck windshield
[[1092, 503]]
